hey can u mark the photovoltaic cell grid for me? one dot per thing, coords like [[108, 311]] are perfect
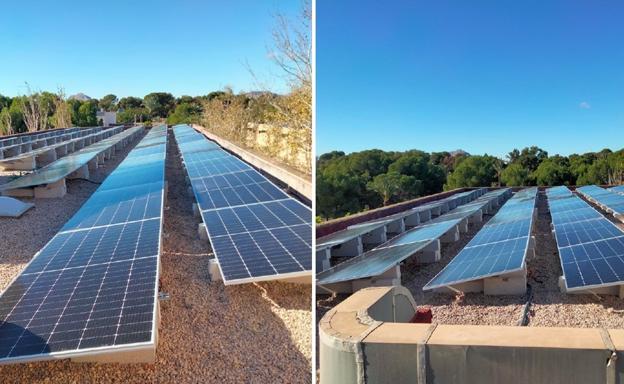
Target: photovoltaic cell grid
[[591, 248], [382, 258], [93, 286], [257, 231], [607, 199], [499, 247]]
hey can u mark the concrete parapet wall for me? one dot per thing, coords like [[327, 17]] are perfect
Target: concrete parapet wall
[[367, 339]]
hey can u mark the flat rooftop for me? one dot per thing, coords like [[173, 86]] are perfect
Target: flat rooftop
[[549, 306]]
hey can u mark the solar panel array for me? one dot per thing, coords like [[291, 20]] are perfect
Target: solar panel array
[[32, 136], [93, 287], [353, 231], [382, 258], [606, 198], [591, 248], [256, 230], [498, 248], [66, 165]]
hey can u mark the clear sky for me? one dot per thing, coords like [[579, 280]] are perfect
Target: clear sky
[[127, 47], [483, 76]]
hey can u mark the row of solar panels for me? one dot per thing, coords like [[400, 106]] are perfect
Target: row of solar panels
[[64, 166], [93, 287], [591, 247], [16, 150], [55, 148], [398, 222], [257, 231], [389, 254], [31, 136], [500, 247], [608, 199]]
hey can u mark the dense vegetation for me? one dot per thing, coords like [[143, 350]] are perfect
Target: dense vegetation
[[358, 181]]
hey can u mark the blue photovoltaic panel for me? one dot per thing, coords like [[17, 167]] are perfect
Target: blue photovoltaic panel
[[389, 254], [591, 248], [256, 230], [93, 287], [582, 213], [498, 248], [353, 231], [585, 231], [607, 199]]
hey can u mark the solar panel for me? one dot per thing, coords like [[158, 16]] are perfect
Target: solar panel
[[356, 230], [606, 198], [68, 164], [387, 255], [256, 230], [618, 189], [500, 247], [591, 248], [92, 288]]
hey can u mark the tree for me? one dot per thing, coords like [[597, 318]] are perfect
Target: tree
[[62, 114], [530, 157], [159, 104], [228, 117], [17, 115], [184, 113], [515, 175], [35, 111], [553, 171], [88, 114], [133, 115], [473, 171], [6, 122], [387, 185], [108, 102], [130, 102], [5, 102]]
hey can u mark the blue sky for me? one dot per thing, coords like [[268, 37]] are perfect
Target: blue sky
[[135, 47], [483, 76]]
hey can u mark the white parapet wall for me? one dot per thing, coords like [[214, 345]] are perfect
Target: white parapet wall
[[367, 339]]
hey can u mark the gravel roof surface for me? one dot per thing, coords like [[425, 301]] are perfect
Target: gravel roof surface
[[252, 333], [549, 307]]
